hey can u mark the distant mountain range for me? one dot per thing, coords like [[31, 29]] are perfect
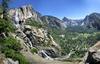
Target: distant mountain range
[[90, 21]]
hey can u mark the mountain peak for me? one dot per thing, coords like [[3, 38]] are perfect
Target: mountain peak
[[94, 14], [65, 19]]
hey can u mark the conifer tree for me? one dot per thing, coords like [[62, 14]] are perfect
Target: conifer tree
[[5, 8]]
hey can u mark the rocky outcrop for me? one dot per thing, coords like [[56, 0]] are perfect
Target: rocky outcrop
[[40, 39], [19, 15], [4, 60], [10, 61], [48, 54], [93, 55]]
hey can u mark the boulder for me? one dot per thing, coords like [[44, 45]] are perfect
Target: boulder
[[49, 54], [10, 61], [93, 55], [4, 60]]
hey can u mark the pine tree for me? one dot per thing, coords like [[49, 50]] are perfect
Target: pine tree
[[5, 8]]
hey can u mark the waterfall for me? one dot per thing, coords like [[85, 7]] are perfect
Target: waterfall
[[43, 54], [16, 19]]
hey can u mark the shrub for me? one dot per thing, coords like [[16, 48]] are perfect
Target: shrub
[[10, 43], [11, 48], [6, 26], [34, 50], [32, 22], [10, 53]]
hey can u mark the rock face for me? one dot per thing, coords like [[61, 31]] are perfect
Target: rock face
[[19, 15], [38, 36], [93, 55], [92, 21], [52, 21]]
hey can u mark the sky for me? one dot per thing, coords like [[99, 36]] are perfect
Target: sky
[[73, 9]]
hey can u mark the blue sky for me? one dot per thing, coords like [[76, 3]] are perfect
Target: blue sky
[[73, 9]]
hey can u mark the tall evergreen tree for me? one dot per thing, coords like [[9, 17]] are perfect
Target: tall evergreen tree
[[5, 8], [5, 23]]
